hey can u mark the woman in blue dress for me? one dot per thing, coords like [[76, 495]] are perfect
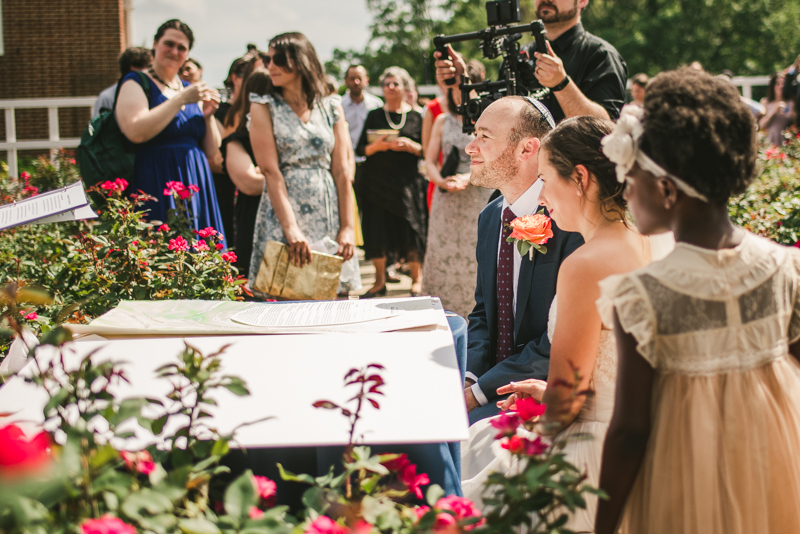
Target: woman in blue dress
[[173, 128], [302, 147]]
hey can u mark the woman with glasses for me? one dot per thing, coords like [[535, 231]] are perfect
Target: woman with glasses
[[172, 123], [394, 214], [301, 148]]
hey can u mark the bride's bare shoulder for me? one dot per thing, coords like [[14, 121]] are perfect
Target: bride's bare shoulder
[[605, 255]]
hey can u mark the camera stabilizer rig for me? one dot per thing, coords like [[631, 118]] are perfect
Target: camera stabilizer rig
[[516, 72]]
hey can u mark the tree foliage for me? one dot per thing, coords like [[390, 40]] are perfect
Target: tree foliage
[[748, 38]]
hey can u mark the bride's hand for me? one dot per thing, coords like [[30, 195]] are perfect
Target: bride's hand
[[532, 387]]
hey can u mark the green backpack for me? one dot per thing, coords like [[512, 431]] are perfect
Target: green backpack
[[105, 153]]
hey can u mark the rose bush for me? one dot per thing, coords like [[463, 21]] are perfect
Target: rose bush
[[771, 205], [90, 266]]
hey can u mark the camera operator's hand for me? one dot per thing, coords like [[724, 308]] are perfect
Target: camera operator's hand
[[549, 68], [452, 67]]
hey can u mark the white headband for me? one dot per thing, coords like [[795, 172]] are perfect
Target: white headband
[[622, 147]]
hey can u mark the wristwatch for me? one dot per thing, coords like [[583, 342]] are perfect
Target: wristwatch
[[561, 84]]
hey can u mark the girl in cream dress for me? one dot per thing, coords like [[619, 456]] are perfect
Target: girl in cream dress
[[581, 194], [705, 436]]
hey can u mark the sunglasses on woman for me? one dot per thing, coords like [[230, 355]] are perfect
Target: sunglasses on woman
[[279, 58]]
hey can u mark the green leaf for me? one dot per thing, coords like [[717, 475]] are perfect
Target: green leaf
[[146, 500], [128, 408], [314, 499], [158, 425], [241, 496], [26, 511], [237, 386], [160, 524], [198, 526], [435, 492], [114, 481], [57, 336], [289, 476], [523, 247], [103, 455]]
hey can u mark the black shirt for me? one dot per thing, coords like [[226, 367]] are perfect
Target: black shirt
[[594, 66]]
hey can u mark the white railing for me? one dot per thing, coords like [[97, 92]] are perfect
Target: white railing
[[52, 105]]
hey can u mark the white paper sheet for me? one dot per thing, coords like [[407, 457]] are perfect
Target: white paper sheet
[[326, 313], [203, 317], [44, 205], [78, 214], [423, 402]]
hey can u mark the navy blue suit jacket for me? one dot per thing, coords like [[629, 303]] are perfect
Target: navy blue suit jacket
[[535, 292]]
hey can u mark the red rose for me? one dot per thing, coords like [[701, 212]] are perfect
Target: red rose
[[107, 524], [326, 525], [141, 461], [19, 453], [178, 244], [267, 490], [519, 445], [506, 423], [528, 408]]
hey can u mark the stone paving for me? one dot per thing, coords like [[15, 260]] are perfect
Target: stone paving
[[402, 289]]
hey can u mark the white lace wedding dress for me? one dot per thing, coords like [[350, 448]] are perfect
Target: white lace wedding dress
[[483, 455]]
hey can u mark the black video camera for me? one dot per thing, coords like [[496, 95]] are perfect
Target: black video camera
[[500, 38]]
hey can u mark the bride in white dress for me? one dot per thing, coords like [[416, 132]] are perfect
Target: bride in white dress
[[581, 194]]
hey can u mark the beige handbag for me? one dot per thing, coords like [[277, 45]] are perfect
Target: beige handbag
[[278, 277]]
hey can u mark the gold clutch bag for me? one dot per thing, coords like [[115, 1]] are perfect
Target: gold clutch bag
[[278, 277]]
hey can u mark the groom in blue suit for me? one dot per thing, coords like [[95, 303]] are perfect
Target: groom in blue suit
[[507, 334]]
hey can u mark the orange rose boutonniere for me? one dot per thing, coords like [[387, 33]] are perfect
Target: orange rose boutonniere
[[530, 232]]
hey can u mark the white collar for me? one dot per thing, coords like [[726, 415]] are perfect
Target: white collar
[[347, 100], [528, 202]]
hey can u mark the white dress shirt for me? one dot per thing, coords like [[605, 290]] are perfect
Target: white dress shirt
[[527, 204], [356, 114]]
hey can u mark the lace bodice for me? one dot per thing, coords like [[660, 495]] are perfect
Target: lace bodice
[[605, 365], [703, 312]]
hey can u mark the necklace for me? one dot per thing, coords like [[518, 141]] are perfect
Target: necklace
[[157, 78], [402, 120]]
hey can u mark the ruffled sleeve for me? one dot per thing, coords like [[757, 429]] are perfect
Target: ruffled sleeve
[[334, 103], [256, 98], [622, 293], [794, 323]]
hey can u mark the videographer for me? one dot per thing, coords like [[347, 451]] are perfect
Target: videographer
[[585, 74]]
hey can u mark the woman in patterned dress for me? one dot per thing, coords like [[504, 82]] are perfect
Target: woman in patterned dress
[[302, 148]]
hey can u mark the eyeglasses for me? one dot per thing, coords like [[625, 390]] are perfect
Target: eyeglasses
[[393, 85], [279, 58]]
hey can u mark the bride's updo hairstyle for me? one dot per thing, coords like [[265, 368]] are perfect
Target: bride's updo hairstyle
[[697, 128], [576, 141]]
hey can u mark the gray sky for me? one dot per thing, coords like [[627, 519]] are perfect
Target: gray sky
[[222, 29]]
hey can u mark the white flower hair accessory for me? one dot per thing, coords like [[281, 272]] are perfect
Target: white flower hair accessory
[[622, 147]]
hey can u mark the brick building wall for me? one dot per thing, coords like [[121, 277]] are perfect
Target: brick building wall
[[58, 48]]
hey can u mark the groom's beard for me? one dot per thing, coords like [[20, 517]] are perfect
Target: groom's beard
[[498, 172]]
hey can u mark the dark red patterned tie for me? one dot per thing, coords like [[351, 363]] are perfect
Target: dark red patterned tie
[[505, 292]]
